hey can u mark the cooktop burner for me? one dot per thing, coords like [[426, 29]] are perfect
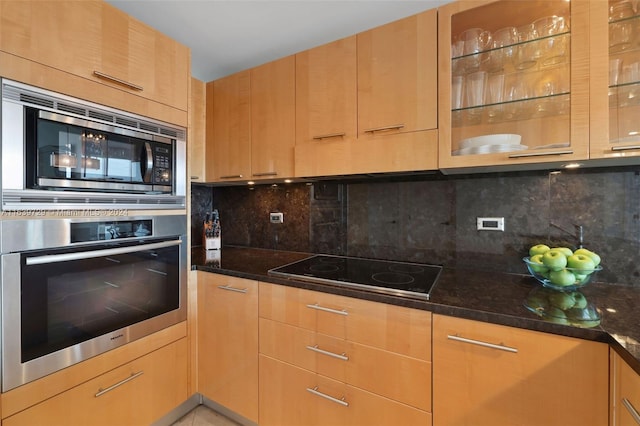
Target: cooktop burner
[[382, 276]]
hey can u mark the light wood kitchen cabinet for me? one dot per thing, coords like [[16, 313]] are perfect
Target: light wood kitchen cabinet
[[252, 123], [517, 377], [394, 84], [137, 393], [273, 119], [196, 136], [228, 342], [519, 97], [229, 127], [377, 356], [625, 393], [95, 41]]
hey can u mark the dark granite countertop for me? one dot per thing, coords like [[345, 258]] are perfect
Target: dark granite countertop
[[478, 295]]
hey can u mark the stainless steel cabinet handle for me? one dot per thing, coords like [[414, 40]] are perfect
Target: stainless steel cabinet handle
[[481, 343], [231, 177], [120, 383], [53, 258], [315, 348], [623, 148], [631, 409], [330, 135], [195, 177], [340, 401], [237, 290], [322, 308], [541, 153], [117, 80], [265, 174], [380, 129]]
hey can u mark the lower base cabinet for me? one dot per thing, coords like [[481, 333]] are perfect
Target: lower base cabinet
[[293, 396], [487, 374], [625, 393], [137, 393]]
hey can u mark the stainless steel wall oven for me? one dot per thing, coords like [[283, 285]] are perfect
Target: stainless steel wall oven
[[75, 288], [60, 152]]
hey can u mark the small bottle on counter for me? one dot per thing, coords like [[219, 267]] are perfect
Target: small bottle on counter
[[212, 231]]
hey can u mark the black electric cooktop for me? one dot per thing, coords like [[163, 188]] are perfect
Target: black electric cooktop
[[382, 276]]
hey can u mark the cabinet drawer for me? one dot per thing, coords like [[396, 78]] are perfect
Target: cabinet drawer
[[290, 395], [137, 393], [394, 376], [393, 328]]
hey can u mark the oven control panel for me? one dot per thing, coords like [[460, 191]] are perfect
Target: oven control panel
[[110, 230]]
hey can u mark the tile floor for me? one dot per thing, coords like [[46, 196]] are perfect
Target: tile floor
[[204, 416]]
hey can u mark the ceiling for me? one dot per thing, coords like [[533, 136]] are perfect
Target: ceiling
[[226, 36]]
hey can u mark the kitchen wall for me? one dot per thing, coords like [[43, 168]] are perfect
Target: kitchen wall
[[432, 218]]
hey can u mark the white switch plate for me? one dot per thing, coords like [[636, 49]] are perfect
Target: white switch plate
[[491, 224], [276, 217]]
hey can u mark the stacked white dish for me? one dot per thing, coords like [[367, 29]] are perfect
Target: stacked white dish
[[486, 144]]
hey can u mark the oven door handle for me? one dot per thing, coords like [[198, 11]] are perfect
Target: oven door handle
[[66, 257]]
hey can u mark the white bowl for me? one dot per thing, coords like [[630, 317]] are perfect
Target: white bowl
[[496, 139]]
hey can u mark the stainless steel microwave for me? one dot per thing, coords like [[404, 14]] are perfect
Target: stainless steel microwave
[[60, 152]]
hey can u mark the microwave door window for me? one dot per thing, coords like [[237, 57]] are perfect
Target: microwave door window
[[59, 150], [94, 162], [124, 159]]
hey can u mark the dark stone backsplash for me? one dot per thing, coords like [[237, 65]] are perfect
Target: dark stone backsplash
[[433, 219]]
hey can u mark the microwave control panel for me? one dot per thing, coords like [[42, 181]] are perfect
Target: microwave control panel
[[162, 164]]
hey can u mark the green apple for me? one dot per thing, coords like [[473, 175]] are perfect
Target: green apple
[[538, 249], [562, 278], [580, 300], [582, 264], [592, 255], [537, 265], [567, 251], [562, 300], [554, 260]]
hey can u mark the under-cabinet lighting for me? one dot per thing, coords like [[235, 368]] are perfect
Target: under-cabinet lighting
[[572, 165], [288, 181], [613, 311], [250, 182]]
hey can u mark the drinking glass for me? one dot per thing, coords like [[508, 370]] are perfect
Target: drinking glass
[[476, 41], [553, 45], [457, 84], [494, 96], [526, 54], [502, 42], [474, 88]]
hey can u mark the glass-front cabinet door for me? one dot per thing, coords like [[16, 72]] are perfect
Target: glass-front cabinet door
[[514, 83], [615, 71]]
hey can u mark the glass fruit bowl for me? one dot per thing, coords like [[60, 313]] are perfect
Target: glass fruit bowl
[[563, 307], [562, 279]]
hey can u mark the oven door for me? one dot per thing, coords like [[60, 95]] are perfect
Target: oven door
[[65, 305]]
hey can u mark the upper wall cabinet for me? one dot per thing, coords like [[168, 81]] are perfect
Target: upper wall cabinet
[[615, 80], [251, 123], [514, 83], [197, 127], [98, 42], [368, 103]]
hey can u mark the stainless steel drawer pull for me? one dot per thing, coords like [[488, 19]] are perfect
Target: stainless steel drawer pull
[[315, 348], [231, 177], [265, 174], [481, 343], [625, 147], [381, 129], [330, 135], [541, 153], [631, 409], [195, 177], [120, 383], [322, 308], [237, 290], [117, 80], [340, 401]]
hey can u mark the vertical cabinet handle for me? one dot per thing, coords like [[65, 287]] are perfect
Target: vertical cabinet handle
[[332, 311], [481, 343], [340, 401], [229, 288], [102, 391], [631, 409], [315, 348]]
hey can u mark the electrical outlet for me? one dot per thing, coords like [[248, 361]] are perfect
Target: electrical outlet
[[276, 217], [490, 224]]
